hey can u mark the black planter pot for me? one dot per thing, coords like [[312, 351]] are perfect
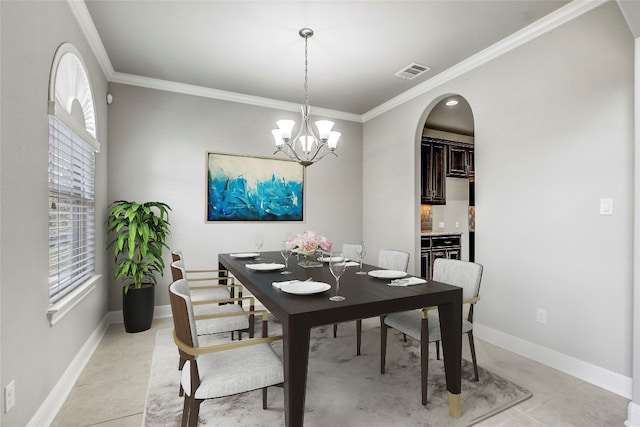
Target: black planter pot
[[137, 308]]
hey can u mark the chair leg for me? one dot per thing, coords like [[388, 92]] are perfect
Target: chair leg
[[185, 412], [383, 344], [335, 330], [264, 398], [472, 347], [358, 336], [424, 359], [252, 323], [194, 412], [404, 336]]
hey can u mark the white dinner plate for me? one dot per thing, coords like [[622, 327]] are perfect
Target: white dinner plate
[[245, 255], [266, 266], [387, 274], [328, 258], [304, 288]]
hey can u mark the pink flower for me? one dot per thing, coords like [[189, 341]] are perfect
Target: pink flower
[[309, 242]]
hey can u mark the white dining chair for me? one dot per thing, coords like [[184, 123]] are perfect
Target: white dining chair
[[389, 259], [226, 369], [351, 251], [464, 274]]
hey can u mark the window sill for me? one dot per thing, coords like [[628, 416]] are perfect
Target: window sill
[[58, 310]]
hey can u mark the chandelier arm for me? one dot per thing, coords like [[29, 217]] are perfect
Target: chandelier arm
[[320, 147], [292, 151]]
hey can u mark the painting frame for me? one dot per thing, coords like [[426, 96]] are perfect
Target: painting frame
[[246, 188]]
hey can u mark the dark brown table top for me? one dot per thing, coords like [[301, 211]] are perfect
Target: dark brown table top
[[366, 296]]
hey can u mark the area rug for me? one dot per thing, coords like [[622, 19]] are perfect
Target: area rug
[[342, 389]]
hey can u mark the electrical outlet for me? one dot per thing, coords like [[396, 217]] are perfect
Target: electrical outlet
[[541, 316], [441, 225], [9, 396]]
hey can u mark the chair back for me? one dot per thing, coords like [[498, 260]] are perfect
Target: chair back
[[393, 260], [351, 251], [178, 271], [184, 322], [176, 256], [464, 274]]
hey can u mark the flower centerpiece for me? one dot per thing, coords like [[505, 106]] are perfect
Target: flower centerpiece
[[307, 244]]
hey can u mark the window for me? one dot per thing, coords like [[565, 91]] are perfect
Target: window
[[72, 164], [71, 210]]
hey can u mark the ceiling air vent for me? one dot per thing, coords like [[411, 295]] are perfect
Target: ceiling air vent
[[412, 71]]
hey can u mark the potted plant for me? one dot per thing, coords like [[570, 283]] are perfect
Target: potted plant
[[140, 231]]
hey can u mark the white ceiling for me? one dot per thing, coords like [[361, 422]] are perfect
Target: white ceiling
[[253, 47]]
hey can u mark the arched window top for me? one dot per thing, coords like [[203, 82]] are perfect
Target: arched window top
[[70, 94]]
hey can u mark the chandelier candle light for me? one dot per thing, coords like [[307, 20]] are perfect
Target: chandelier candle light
[[306, 147]]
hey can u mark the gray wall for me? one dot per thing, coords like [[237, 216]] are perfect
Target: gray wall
[[157, 149], [34, 353], [554, 134]]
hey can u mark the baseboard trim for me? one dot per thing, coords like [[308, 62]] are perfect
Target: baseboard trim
[[603, 378], [58, 395], [159, 312], [634, 415], [588, 372]]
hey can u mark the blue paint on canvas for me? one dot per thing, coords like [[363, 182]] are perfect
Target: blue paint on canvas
[[232, 199]]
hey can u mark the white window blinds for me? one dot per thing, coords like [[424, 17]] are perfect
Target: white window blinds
[[71, 210]]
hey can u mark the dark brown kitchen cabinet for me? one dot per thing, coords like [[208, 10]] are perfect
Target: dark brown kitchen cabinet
[[438, 246], [460, 161], [433, 156]]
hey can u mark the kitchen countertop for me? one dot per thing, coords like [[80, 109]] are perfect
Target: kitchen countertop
[[440, 233]]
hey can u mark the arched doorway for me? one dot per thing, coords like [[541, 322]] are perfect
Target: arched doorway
[[447, 198]]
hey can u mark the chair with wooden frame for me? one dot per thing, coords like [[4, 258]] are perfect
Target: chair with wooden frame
[[424, 324], [201, 291], [220, 370], [389, 259], [216, 315]]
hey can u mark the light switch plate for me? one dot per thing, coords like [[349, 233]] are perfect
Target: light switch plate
[[606, 206]]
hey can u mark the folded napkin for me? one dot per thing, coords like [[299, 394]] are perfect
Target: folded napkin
[[278, 284], [407, 281], [352, 264]]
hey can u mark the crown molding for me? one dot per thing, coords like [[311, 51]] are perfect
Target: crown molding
[[553, 20], [187, 89], [532, 31], [81, 13]]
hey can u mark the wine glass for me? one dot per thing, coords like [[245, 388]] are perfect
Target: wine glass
[[337, 265], [361, 253], [285, 251], [259, 241]]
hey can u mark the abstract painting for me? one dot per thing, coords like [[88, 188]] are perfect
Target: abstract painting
[[246, 188]]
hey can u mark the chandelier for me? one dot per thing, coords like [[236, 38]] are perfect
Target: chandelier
[[307, 147]]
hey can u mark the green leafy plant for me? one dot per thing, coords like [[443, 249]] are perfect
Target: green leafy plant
[[141, 230]]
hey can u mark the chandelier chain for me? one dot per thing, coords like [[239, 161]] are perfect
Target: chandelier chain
[[306, 75]]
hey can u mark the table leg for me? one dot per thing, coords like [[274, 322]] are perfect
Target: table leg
[[451, 329], [296, 361]]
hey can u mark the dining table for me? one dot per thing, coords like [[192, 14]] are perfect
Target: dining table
[[365, 297]]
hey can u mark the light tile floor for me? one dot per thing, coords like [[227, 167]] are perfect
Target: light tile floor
[[111, 390]]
